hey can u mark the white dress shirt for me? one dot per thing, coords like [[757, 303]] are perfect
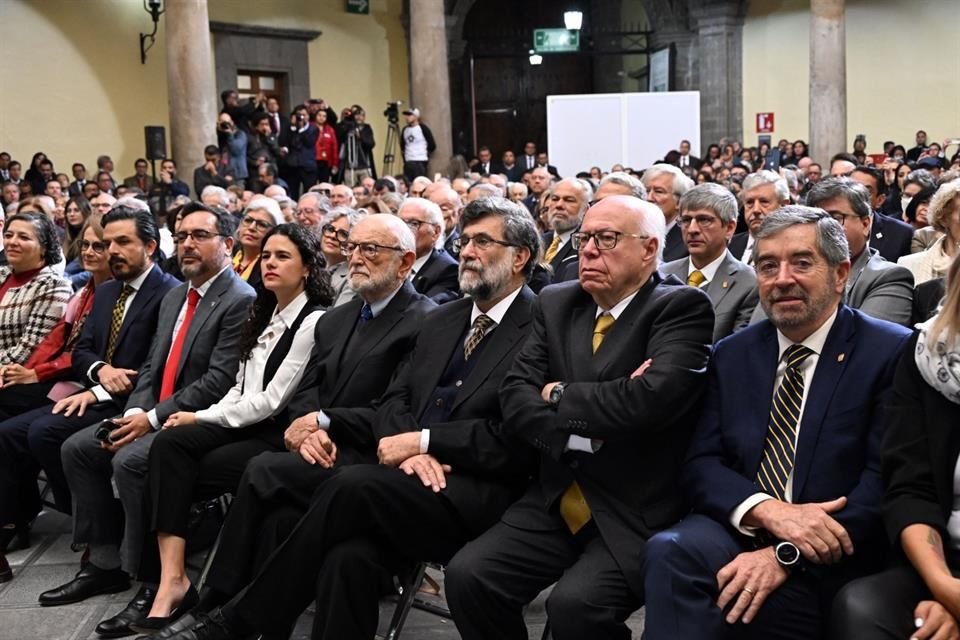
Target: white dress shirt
[[814, 342], [418, 264], [709, 271], [248, 402]]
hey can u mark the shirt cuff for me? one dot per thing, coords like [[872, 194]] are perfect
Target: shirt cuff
[[424, 440], [154, 420], [323, 420], [738, 514], [92, 367], [100, 393], [579, 443]]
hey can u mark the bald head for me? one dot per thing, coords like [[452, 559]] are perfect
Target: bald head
[[450, 205]]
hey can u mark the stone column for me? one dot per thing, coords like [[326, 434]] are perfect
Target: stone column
[[191, 92], [720, 29], [828, 79], [430, 78]]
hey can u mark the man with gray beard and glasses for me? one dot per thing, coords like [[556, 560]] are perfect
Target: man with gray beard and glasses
[[446, 469]]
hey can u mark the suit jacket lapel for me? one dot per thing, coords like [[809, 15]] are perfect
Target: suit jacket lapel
[[760, 366], [723, 280], [580, 344], [146, 293], [205, 308], [826, 378]]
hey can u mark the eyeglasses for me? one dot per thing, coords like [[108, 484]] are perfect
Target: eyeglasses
[[605, 240], [480, 241], [702, 221], [200, 235], [247, 221], [307, 211], [841, 217], [97, 247], [368, 250], [330, 230], [415, 224]]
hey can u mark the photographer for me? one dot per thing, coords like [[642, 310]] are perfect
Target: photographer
[[356, 146], [242, 113], [233, 150], [262, 144], [298, 152], [416, 144], [213, 172], [168, 186]]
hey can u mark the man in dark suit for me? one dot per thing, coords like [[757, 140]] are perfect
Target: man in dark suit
[[298, 165], [434, 273], [540, 181], [528, 160], [79, 180], [566, 203], [544, 161], [763, 193], [889, 236], [140, 179], [192, 363], [509, 166], [486, 165], [447, 469], [665, 185], [113, 344], [708, 216], [686, 160], [783, 471], [450, 205], [604, 388]]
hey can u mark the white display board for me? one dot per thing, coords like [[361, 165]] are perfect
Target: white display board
[[632, 129]]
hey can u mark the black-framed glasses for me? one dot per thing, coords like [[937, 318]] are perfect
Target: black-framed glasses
[[198, 235], [368, 250], [703, 221], [330, 230], [480, 241], [415, 224], [248, 221], [96, 247], [841, 217], [604, 239]]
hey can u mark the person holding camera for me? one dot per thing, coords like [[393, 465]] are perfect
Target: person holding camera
[[213, 171], [298, 152], [262, 145], [356, 146], [233, 150], [416, 144]]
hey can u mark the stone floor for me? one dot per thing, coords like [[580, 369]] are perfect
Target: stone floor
[[50, 562]]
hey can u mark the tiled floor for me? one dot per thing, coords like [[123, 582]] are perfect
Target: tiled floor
[[50, 562]]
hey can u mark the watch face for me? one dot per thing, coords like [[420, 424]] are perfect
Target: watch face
[[787, 553]]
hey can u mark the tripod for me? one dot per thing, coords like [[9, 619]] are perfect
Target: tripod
[[390, 148]]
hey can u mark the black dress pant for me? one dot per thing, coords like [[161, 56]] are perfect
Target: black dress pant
[[197, 462], [361, 519], [20, 398]]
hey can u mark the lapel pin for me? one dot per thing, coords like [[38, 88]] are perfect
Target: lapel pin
[[724, 285], [841, 357], [879, 234]]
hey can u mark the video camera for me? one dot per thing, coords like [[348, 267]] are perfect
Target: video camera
[[392, 112]]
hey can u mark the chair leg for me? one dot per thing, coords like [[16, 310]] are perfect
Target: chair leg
[[407, 594], [224, 502]]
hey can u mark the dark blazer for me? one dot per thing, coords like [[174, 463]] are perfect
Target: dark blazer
[[75, 188], [926, 298], [132, 182], [301, 152], [438, 278], [631, 482], [211, 352], [514, 173], [136, 333], [674, 247], [920, 450], [350, 369], [492, 466], [566, 264], [891, 237], [448, 244], [738, 244], [838, 450]]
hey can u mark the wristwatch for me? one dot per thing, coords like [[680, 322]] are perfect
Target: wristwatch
[[557, 392], [787, 555]]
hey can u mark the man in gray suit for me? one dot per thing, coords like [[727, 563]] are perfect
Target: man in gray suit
[[708, 217], [192, 363]]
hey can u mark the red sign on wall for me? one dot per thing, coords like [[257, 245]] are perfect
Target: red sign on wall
[[765, 122]]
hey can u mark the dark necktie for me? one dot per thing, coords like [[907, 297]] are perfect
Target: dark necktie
[[366, 314], [779, 450], [116, 320], [477, 332], [173, 360]]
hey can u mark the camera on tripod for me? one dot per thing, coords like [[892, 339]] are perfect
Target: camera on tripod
[[392, 112]]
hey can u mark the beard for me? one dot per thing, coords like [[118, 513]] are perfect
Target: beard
[[365, 282], [814, 305], [484, 283]]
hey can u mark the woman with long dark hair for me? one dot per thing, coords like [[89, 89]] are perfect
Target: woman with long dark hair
[[275, 346]]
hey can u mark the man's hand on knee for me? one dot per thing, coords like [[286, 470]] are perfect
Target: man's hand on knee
[[298, 431], [747, 581]]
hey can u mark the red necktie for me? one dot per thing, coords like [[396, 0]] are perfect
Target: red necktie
[[173, 360]]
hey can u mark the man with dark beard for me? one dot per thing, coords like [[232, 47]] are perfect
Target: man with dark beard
[[446, 470], [783, 473]]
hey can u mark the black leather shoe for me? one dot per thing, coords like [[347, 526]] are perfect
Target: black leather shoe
[[171, 630], [15, 538], [137, 609], [151, 625], [6, 573], [90, 581], [210, 626]]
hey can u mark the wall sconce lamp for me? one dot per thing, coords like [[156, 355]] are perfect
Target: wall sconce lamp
[[155, 9], [535, 58], [573, 20]]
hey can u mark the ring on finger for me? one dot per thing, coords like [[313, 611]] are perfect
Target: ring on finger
[[748, 590]]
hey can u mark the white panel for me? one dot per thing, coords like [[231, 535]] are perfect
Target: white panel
[[657, 122]]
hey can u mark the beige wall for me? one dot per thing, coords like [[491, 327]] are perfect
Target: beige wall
[[903, 70], [72, 86]]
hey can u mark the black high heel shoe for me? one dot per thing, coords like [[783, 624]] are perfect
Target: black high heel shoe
[[14, 538]]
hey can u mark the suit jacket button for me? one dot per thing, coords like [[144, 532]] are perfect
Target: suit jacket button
[[439, 402]]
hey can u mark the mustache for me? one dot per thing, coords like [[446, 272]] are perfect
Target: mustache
[[791, 292], [114, 260]]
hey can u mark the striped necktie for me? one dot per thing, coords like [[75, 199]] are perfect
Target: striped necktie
[[552, 249], [779, 449], [116, 320]]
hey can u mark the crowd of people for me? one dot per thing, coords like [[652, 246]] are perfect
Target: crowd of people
[[725, 389]]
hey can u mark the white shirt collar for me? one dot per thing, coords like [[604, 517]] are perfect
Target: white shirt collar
[[814, 341], [498, 310], [137, 282], [618, 308], [202, 289], [289, 314], [419, 262], [708, 271]]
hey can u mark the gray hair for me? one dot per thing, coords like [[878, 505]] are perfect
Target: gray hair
[[760, 178], [488, 190], [132, 203], [400, 230], [518, 226], [269, 205], [431, 211], [219, 191], [519, 186], [921, 177], [831, 240], [940, 205], [841, 187], [352, 215], [681, 183], [624, 179], [321, 201], [713, 197]]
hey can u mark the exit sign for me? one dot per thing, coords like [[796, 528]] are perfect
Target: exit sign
[[556, 40], [358, 6]]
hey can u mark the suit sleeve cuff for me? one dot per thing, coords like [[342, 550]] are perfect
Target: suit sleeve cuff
[[736, 518], [424, 440], [100, 393], [92, 369], [579, 443], [323, 420]]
